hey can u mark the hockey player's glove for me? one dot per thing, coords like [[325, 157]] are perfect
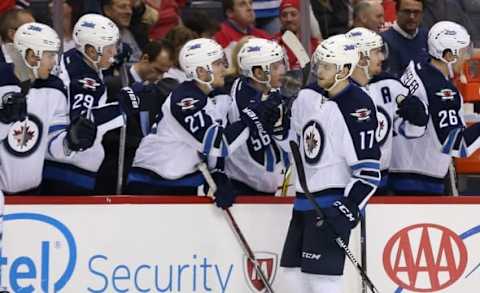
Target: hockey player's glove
[[129, 101], [262, 116], [81, 134], [342, 216], [412, 110], [13, 107], [225, 193]]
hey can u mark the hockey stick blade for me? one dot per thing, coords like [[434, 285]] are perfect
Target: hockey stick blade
[[293, 43], [236, 229], [303, 183]]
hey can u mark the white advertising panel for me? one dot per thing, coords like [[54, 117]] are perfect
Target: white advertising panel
[[424, 247], [143, 248]]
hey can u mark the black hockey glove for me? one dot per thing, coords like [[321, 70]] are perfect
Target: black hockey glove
[[342, 216], [129, 101], [225, 193], [13, 107], [412, 110], [262, 116], [81, 134]]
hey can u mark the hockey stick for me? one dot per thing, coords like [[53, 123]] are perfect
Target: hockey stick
[[293, 43], [302, 179], [236, 229], [123, 135]]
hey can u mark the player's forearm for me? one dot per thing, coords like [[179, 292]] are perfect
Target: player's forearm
[[365, 180]]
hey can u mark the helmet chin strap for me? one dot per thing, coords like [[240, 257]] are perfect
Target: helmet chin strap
[[337, 80], [450, 66], [207, 83]]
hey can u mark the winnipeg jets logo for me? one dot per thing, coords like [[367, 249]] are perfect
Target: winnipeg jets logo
[[312, 142], [89, 83], [361, 114], [446, 94], [24, 136], [268, 263], [384, 126], [187, 103]]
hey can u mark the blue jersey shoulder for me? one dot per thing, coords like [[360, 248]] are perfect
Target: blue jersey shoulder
[[187, 98], [8, 75], [77, 67], [360, 116], [52, 82]]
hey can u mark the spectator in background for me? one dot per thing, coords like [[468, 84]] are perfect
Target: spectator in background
[[266, 15], [390, 13], [156, 60], [406, 40], [178, 36], [146, 79], [451, 10], [240, 22], [9, 23], [333, 16], [202, 24], [6, 5], [168, 16], [472, 7], [290, 20], [127, 17], [369, 14]]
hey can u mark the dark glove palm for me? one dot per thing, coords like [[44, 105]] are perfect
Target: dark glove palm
[[81, 134], [412, 110], [13, 108]]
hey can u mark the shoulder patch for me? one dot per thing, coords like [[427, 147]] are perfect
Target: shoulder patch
[[362, 114], [89, 83], [187, 103], [446, 94]]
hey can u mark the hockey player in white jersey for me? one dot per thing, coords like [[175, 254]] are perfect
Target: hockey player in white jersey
[[256, 167], [335, 122], [419, 166], [95, 38], [46, 128], [193, 122], [397, 111]]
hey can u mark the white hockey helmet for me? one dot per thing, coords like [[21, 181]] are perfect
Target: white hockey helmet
[[37, 37], [365, 39], [339, 50], [95, 30], [200, 52], [447, 35], [259, 52]]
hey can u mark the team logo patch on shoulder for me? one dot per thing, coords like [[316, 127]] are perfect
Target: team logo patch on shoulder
[[187, 103], [446, 94], [313, 141], [24, 136], [89, 83], [361, 114]]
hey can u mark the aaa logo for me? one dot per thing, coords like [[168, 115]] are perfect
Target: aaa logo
[[425, 258]]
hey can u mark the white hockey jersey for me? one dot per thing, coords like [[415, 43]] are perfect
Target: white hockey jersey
[[259, 162], [191, 124], [421, 164], [86, 94], [337, 141], [23, 147], [384, 90]]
